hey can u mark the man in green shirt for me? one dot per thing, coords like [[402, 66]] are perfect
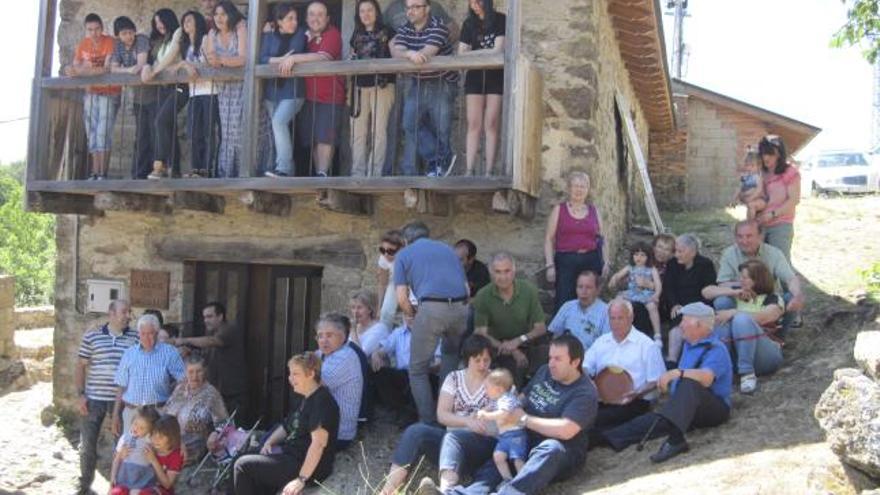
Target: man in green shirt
[[508, 312]]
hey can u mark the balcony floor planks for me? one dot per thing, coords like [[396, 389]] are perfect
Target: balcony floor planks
[[290, 185]]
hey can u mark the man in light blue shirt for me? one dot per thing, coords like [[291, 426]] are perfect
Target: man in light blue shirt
[[585, 317], [341, 373], [146, 375]]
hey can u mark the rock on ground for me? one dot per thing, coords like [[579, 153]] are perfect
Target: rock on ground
[[849, 412], [867, 353]]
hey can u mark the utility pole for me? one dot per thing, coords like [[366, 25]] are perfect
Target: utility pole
[[679, 8]]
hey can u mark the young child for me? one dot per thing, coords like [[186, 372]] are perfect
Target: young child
[[131, 469], [165, 455], [643, 284], [751, 190], [513, 441]]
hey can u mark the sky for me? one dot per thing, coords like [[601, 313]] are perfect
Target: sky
[[771, 53]]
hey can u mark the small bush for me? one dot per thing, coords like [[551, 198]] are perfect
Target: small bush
[[872, 280]]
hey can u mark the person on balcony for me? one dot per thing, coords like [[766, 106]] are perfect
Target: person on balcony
[[130, 55], [372, 94], [325, 95], [166, 35], [208, 7], [283, 97], [101, 103], [226, 47], [482, 33], [429, 96]]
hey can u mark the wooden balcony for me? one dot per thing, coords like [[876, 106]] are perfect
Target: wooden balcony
[[55, 142]]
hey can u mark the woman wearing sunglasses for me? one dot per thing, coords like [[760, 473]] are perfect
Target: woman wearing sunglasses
[[391, 243]]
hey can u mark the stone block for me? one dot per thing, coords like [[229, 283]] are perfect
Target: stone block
[[849, 412], [7, 291], [867, 353]]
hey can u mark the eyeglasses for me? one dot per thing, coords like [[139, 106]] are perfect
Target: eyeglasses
[[388, 252], [414, 7]]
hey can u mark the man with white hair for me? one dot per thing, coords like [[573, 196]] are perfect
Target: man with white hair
[[699, 390], [146, 374]]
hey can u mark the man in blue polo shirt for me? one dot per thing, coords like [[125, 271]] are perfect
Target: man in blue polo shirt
[[699, 390], [433, 272], [585, 317], [99, 355], [146, 375], [428, 95]]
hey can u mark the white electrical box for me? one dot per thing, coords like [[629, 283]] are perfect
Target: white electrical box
[[101, 292]]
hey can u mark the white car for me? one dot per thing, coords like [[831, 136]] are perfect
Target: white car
[[841, 172]]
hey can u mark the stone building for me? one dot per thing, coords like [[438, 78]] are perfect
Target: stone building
[[695, 166], [280, 252]]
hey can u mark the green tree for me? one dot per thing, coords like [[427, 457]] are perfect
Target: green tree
[[27, 242], [862, 28]]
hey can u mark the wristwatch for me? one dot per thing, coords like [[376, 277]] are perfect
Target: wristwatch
[[304, 479], [524, 338], [521, 423], [680, 373]]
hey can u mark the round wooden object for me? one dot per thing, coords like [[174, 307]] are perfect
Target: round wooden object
[[612, 384]]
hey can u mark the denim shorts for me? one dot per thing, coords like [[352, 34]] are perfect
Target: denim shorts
[[319, 123], [514, 443], [99, 114]]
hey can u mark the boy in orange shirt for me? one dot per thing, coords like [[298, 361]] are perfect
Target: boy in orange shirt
[[100, 104]]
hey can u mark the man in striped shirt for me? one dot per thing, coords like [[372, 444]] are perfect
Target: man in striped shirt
[[428, 95], [146, 375], [99, 355]]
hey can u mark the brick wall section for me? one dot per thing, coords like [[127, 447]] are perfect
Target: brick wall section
[[7, 309], [696, 166]]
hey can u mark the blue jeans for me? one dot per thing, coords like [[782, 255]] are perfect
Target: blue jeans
[[548, 461], [90, 429], [780, 236], [753, 351], [283, 113], [727, 302], [427, 123], [418, 440]]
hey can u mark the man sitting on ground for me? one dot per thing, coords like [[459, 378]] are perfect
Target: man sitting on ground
[[585, 317], [341, 373], [508, 312], [699, 390]]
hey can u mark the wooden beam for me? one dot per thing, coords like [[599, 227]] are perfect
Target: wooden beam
[[307, 69], [251, 94], [345, 202], [62, 203], [266, 203], [37, 131], [287, 185], [317, 250], [138, 202], [515, 203], [197, 201], [513, 40], [427, 202]]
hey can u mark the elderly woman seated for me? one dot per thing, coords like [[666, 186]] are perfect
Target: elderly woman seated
[[749, 330], [198, 406], [301, 450]]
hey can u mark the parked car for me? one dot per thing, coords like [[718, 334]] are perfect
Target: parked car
[[844, 171]]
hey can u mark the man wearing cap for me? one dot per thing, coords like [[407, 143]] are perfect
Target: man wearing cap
[[632, 351], [699, 390]]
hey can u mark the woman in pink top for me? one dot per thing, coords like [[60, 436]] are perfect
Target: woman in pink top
[[782, 186], [573, 242]]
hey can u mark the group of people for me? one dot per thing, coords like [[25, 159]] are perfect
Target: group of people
[[494, 394], [312, 108]]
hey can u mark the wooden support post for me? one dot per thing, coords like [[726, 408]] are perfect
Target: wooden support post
[[197, 201], [427, 202], [513, 45], [345, 202], [251, 96], [514, 203], [37, 132], [266, 203], [137, 202], [62, 203]]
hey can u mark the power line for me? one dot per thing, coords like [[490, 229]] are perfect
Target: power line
[[13, 120]]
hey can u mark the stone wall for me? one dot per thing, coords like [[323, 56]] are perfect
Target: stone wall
[[7, 308], [696, 166], [582, 70]]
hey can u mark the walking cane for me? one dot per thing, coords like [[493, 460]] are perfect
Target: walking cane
[[641, 446]]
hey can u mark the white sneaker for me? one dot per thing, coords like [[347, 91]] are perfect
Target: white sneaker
[[748, 383]]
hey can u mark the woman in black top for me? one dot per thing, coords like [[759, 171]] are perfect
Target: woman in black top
[[687, 274], [302, 448], [482, 33], [372, 94]]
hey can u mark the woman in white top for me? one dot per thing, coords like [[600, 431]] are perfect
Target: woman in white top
[[367, 332], [461, 396], [203, 117], [391, 243]]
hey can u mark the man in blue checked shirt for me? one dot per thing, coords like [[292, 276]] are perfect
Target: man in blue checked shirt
[[146, 374]]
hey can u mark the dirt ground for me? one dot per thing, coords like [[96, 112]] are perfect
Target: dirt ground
[[771, 445]]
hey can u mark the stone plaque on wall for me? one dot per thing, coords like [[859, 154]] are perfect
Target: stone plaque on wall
[[149, 289]]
